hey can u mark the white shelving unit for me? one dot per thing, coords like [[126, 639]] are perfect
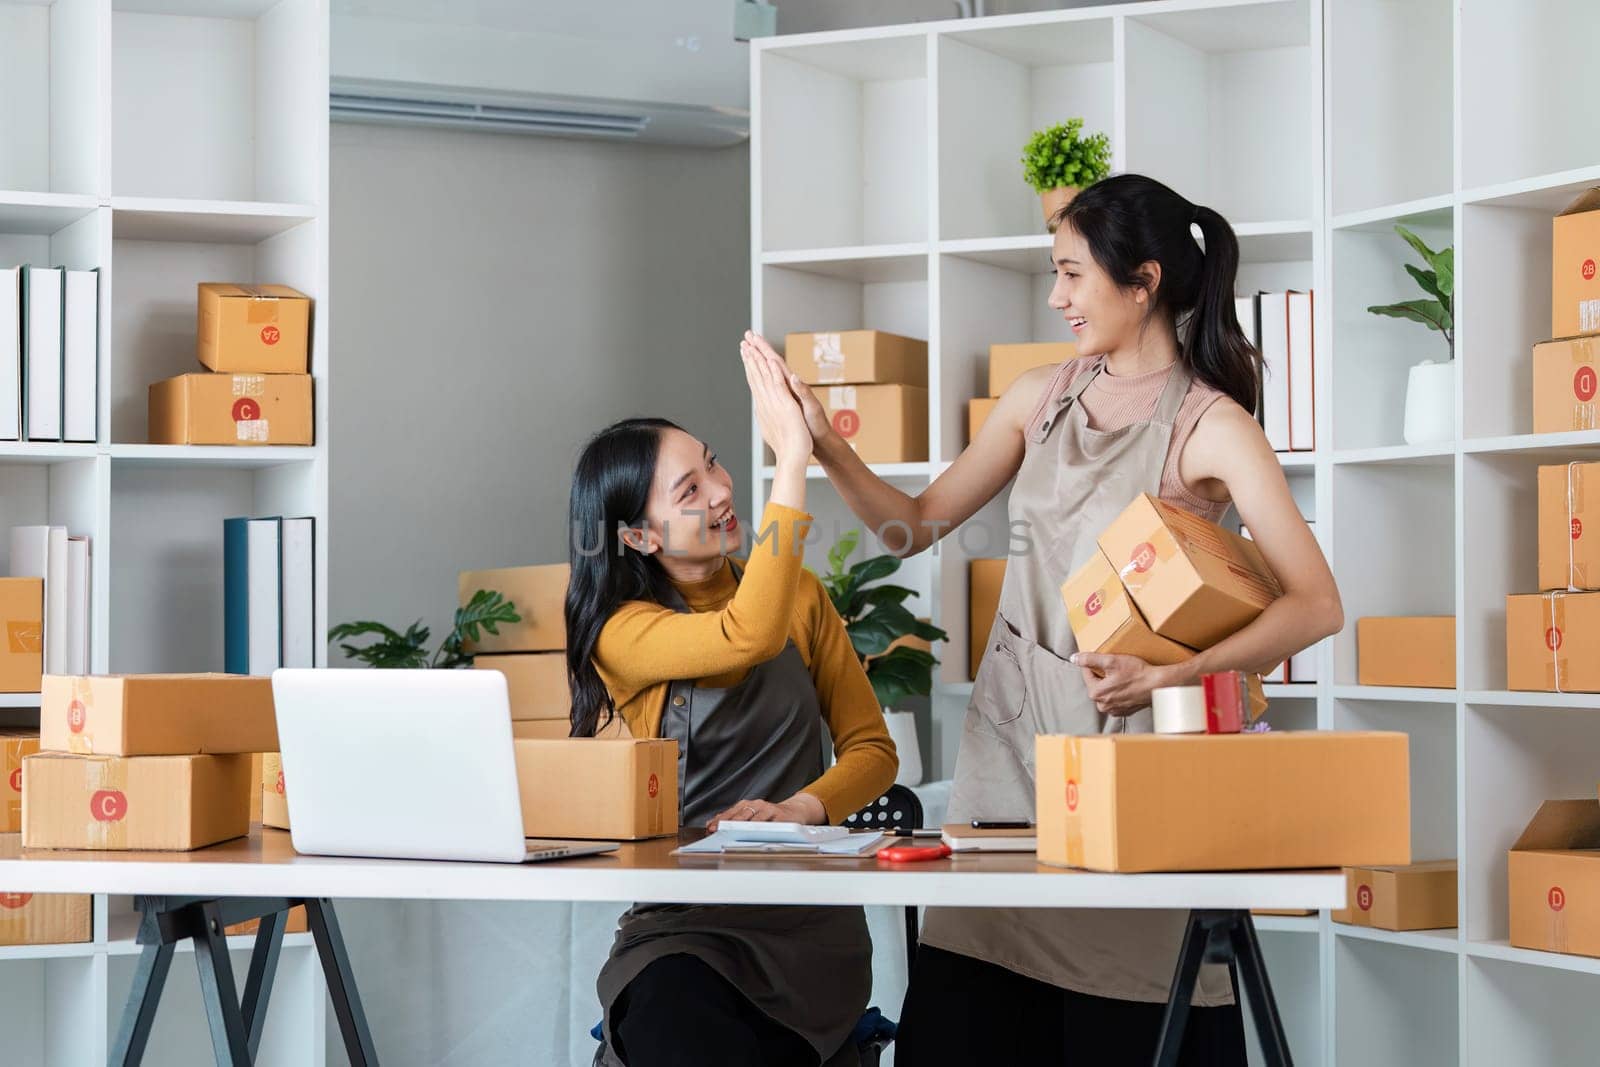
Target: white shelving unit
[[886, 192], [165, 142]]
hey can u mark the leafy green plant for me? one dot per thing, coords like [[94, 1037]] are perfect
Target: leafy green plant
[[1061, 156], [484, 612], [1438, 280], [875, 616]]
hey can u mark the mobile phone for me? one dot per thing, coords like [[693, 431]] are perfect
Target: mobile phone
[[1002, 824]]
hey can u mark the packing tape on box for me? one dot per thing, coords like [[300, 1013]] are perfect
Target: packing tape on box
[[827, 352], [1179, 709], [80, 717], [1555, 628], [1574, 505], [107, 815]]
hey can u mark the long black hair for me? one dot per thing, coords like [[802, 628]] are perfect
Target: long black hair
[[610, 489], [1128, 220]]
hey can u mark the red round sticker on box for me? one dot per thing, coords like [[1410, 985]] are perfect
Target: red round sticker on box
[[1577, 529], [278, 785], [1552, 639], [1072, 795], [77, 715], [1144, 557], [1584, 383], [847, 422], [1588, 270], [1364, 898], [269, 335], [108, 805], [653, 786], [1557, 898], [246, 409], [16, 779], [1093, 605], [15, 900]]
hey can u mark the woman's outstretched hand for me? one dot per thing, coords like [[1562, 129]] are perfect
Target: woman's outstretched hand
[[783, 425], [816, 417]]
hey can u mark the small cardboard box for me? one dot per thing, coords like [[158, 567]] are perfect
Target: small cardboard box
[[1417, 651], [984, 579], [1007, 363], [1553, 875], [1574, 281], [1195, 582], [255, 329], [535, 681], [1197, 802], [1553, 642], [274, 800], [1421, 896], [880, 423], [15, 746], [157, 714], [857, 357], [1569, 526], [142, 802], [46, 918], [588, 787], [22, 639], [539, 595], [231, 409], [296, 923], [549, 729], [1104, 619], [1565, 379], [978, 411], [255, 786]]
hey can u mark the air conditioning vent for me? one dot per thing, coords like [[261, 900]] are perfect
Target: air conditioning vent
[[538, 120]]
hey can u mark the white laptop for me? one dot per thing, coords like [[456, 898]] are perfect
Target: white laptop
[[405, 764]]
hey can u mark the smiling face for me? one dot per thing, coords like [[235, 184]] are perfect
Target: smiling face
[[1105, 317], [690, 516]]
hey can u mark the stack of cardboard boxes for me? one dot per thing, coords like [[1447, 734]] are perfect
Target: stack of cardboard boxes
[[33, 918], [874, 386], [1007, 363]]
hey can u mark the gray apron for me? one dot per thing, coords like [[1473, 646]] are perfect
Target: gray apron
[[807, 968], [1073, 482]]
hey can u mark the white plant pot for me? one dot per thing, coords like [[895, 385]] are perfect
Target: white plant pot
[[1431, 403], [903, 732]]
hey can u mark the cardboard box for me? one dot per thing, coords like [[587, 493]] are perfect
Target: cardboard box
[[296, 924], [46, 918], [1197, 802], [880, 423], [1574, 281], [15, 745], [1007, 363], [1105, 619], [1417, 651], [1565, 379], [984, 578], [255, 786], [21, 634], [1553, 643], [256, 329], [1195, 582], [157, 714], [143, 802], [535, 681], [540, 596], [551, 729], [273, 799], [857, 357], [1553, 875], [231, 409], [1421, 896], [1569, 526], [592, 788], [978, 411]]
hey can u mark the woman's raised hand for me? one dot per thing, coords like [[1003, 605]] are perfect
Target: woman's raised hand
[[778, 414], [816, 416]]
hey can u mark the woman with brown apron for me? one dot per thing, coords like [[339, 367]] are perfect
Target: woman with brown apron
[[1159, 402], [744, 665]]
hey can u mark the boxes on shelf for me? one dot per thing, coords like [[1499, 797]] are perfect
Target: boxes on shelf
[[255, 329], [1553, 874], [880, 423], [588, 787], [1418, 651], [539, 595], [295, 924], [15, 746], [46, 918], [231, 409], [22, 643], [1009, 362], [272, 797], [1574, 282], [1152, 802], [1553, 642], [142, 802], [157, 714], [1569, 526], [857, 357], [984, 578], [1104, 619], [536, 683], [1420, 896], [1564, 384], [978, 411]]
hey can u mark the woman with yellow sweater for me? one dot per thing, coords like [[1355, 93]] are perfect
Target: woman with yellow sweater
[[745, 665]]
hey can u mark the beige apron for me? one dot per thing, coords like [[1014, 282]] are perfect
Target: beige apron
[[1073, 482]]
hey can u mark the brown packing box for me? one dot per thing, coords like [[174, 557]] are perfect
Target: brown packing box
[[296, 923], [880, 423], [1007, 363], [22, 639], [1104, 619], [1195, 582], [1553, 642], [142, 802], [255, 786], [549, 729], [1574, 280], [1152, 802], [15, 746], [1421, 896], [272, 797], [46, 918], [857, 357], [539, 594], [984, 578], [258, 329], [1417, 651], [535, 681], [978, 411], [1565, 379], [587, 787], [157, 714], [1569, 526], [231, 409], [1553, 873]]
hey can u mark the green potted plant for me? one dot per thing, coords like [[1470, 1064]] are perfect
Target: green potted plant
[[879, 625], [1059, 161], [394, 649], [1430, 387]]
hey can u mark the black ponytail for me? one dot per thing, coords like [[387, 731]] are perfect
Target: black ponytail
[[1128, 220], [610, 488]]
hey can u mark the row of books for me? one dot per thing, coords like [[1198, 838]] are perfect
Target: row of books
[[268, 592], [62, 560], [49, 369], [1280, 325]]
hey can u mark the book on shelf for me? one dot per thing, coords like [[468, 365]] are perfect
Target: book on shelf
[[48, 552], [10, 353], [1282, 327], [80, 355], [1302, 372], [269, 588], [78, 606], [42, 289]]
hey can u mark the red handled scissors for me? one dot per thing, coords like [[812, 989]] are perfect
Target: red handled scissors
[[913, 853]]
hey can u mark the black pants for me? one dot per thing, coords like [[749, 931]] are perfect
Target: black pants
[[679, 1012], [961, 1010]]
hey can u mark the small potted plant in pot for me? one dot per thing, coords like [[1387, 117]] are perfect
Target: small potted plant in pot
[[1059, 161], [1430, 387]]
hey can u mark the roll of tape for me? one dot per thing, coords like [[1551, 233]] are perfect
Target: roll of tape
[[1179, 709]]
